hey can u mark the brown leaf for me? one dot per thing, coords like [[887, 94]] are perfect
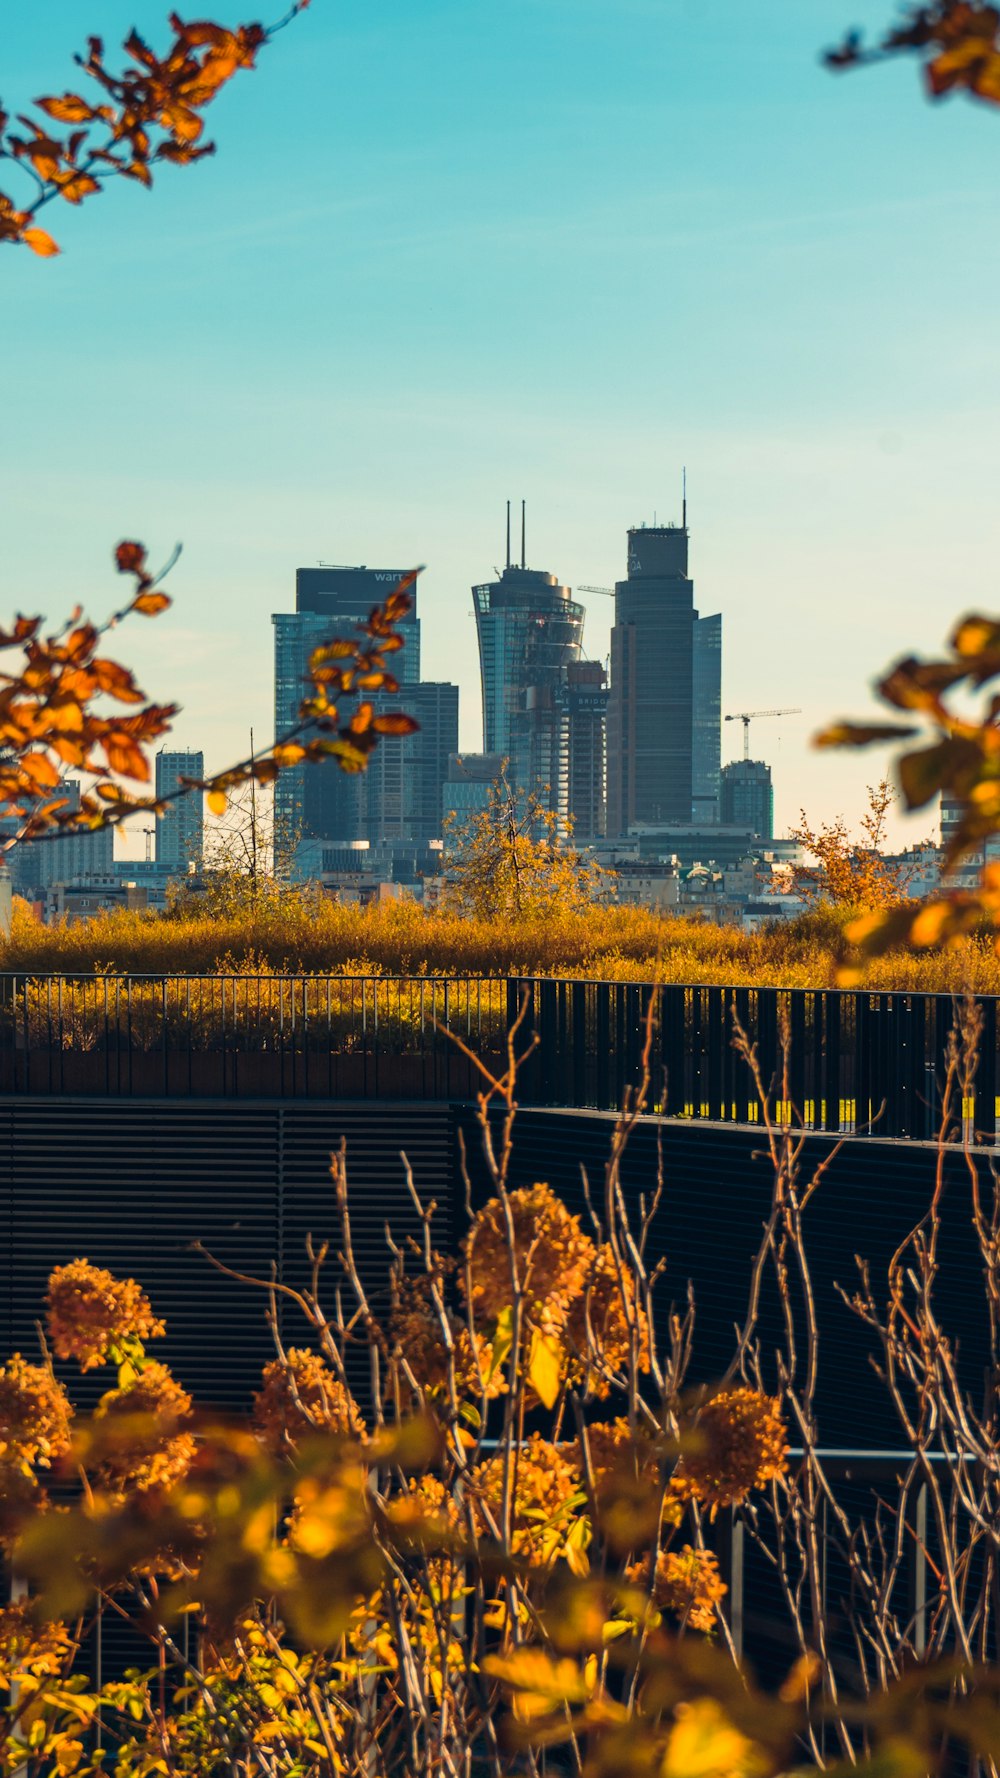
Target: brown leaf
[[130, 558]]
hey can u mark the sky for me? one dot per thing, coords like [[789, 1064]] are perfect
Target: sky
[[452, 252]]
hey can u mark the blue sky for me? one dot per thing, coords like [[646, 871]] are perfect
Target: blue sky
[[452, 251]]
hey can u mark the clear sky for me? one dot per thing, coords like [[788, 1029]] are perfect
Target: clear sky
[[452, 251]]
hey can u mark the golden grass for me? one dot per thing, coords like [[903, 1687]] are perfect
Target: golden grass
[[300, 936]]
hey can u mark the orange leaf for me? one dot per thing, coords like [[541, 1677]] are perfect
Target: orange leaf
[[123, 755], [39, 242], [150, 604], [40, 768], [395, 722], [69, 109]]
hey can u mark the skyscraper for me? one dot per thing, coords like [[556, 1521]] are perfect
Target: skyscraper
[[406, 773], [748, 796], [319, 801], [180, 832], [530, 630], [706, 760], [651, 706], [587, 706], [665, 703]]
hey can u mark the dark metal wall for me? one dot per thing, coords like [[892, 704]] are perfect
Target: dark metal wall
[[130, 1184]]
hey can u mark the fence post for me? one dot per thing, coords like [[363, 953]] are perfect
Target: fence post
[[602, 1085]]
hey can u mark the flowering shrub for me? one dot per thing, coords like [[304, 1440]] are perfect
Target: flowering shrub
[[95, 1317]]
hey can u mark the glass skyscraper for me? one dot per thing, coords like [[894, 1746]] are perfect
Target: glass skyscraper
[[664, 708], [530, 631], [319, 801]]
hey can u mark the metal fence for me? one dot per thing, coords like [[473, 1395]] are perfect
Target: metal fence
[[845, 1060]]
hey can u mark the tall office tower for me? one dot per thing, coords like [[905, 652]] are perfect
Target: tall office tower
[[706, 764], [651, 706], [748, 796], [319, 801], [66, 859], [180, 833], [406, 773], [530, 629], [587, 705]]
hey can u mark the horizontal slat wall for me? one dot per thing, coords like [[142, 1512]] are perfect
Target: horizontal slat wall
[[717, 1193], [130, 1184]]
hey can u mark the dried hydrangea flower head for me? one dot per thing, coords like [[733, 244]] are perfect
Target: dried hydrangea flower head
[[142, 1441], [94, 1316], [418, 1337], [552, 1254], [301, 1396], [34, 1416], [548, 1490], [739, 1443], [687, 1581], [607, 1305]]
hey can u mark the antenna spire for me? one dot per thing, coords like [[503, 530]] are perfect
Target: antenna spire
[[508, 533], [684, 498], [523, 561]]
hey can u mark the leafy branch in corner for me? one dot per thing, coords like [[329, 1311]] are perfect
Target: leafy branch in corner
[[140, 118], [957, 43], [52, 714]]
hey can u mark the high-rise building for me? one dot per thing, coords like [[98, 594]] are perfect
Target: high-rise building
[[706, 758], [406, 773], [319, 801], [587, 708], [180, 832], [651, 706], [530, 630], [665, 704], [66, 858], [748, 796]]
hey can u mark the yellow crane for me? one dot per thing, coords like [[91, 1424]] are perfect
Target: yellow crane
[[748, 716]]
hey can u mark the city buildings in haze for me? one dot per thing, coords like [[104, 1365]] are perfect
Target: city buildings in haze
[[66, 858], [706, 744]]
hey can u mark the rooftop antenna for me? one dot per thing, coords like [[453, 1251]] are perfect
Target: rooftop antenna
[[523, 505], [684, 501], [508, 533]]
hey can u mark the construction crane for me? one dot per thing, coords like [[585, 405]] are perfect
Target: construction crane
[[607, 591], [748, 716]]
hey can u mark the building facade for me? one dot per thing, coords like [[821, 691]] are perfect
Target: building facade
[[404, 783], [530, 631], [69, 857], [319, 801], [706, 745], [180, 832], [748, 796], [587, 709], [651, 705]]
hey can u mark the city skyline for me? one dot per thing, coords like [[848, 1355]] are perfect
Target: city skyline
[[619, 274]]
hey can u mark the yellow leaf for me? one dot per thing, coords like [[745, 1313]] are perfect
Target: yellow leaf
[[217, 802], [545, 1368], [704, 1744]]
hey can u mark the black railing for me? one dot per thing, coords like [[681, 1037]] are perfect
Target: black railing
[[835, 1060]]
